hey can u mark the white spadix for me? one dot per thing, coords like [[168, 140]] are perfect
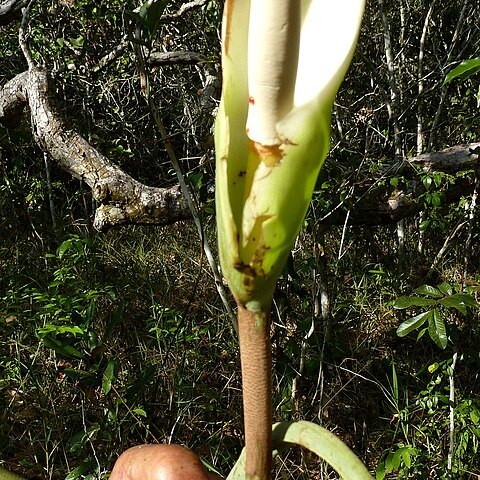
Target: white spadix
[[271, 72], [283, 61]]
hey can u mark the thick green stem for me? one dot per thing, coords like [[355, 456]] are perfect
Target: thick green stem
[[256, 359]]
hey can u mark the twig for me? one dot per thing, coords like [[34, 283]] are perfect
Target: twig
[[50, 191], [440, 253], [471, 217], [340, 254], [22, 40], [184, 8], [112, 55], [444, 88], [196, 217], [451, 446]]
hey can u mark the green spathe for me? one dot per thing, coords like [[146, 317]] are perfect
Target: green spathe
[[272, 128]]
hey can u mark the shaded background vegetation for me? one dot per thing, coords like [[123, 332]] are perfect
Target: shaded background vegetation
[[113, 339]]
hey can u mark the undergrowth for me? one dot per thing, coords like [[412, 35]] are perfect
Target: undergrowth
[[117, 339]]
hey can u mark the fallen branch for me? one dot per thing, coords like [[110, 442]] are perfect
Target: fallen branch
[[122, 199]]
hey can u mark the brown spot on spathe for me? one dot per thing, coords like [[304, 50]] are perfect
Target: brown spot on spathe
[[270, 155]]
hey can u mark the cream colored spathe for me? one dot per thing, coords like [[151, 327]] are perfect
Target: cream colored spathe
[[283, 61]]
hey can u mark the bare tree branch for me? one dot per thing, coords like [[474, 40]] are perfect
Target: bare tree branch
[[377, 204], [165, 58], [11, 10], [122, 198], [184, 8]]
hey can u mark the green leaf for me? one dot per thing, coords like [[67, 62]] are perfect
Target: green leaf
[[460, 301], [424, 225], [140, 411], [467, 299], [474, 416], [77, 42], [63, 349], [380, 471], [436, 329], [421, 333], [390, 462], [412, 323], [66, 245], [433, 367], [150, 14], [466, 69], [436, 199], [109, 376], [397, 458], [445, 288], [427, 181], [450, 302], [406, 302], [85, 467], [429, 291]]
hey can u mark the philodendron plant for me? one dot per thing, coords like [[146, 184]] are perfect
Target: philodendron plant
[[282, 61]]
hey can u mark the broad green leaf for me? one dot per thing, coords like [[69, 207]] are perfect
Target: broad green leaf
[[445, 288], [427, 181], [66, 245], [466, 69], [436, 199], [390, 462], [450, 302], [406, 302], [460, 301], [397, 458], [429, 291], [424, 225], [467, 299], [436, 329], [412, 323]]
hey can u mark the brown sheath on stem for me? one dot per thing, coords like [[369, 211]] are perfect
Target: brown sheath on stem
[[256, 360]]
